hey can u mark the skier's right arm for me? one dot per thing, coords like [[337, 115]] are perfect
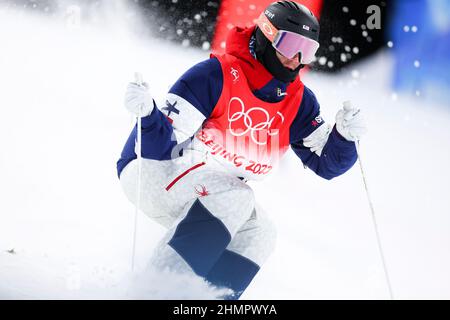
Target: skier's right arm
[[189, 102], [193, 97]]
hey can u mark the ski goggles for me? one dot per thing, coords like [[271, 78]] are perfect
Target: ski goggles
[[288, 43]]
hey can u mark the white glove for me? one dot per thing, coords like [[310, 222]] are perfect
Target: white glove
[[350, 122], [138, 99], [317, 140]]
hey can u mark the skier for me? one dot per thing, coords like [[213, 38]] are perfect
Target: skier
[[225, 121]]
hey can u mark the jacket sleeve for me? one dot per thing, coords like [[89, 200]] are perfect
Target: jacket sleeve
[[189, 102], [318, 144]]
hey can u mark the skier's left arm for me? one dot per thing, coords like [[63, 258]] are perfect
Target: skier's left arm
[[327, 150]]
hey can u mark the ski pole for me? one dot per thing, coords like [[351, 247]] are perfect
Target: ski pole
[[348, 105], [139, 81]]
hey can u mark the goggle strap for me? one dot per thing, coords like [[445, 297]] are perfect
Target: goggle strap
[[267, 27]]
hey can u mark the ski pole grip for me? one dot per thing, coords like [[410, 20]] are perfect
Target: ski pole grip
[[138, 78], [348, 105]]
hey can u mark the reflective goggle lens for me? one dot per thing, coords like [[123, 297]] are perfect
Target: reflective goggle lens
[[290, 43]]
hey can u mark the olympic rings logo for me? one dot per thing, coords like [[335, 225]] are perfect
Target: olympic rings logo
[[251, 125]]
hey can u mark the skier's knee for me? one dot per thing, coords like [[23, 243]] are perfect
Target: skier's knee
[[269, 238], [128, 179], [262, 241], [151, 201], [256, 240], [245, 197]]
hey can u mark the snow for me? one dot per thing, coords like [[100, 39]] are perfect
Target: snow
[[62, 127]]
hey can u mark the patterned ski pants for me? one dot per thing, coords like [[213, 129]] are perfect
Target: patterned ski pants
[[214, 228]]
